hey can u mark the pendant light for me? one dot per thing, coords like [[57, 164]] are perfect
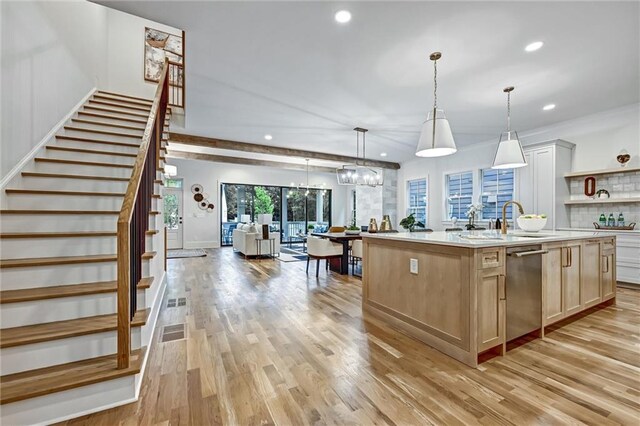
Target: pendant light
[[509, 154], [360, 173], [436, 139]]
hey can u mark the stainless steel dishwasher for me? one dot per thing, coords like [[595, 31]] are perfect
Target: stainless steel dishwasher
[[524, 290]]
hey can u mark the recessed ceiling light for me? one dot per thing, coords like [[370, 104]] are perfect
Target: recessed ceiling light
[[383, 154], [268, 137], [342, 16], [549, 107], [532, 47]]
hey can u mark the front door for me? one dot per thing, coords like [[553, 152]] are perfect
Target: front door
[[173, 217]]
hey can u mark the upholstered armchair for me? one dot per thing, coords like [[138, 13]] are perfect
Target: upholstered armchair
[[320, 248]]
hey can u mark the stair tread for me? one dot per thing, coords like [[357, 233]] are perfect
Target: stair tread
[[64, 260], [112, 117], [85, 163], [44, 381], [81, 212], [29, 334], [90, 140], [69, 234], [91, 151], [101, 132], [116, 105], [102, 123], [58, 192], [70, 290], [99, 108], [145, 102], [14, 235], [105, 92], [66, 176]]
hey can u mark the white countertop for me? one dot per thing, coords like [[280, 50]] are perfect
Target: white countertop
[[479, 239], [613, 231]]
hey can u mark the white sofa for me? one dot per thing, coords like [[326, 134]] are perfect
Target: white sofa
[[244, 240]]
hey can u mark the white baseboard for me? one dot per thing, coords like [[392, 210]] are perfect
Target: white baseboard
[[201, 244], [155, 314], [22, 163]]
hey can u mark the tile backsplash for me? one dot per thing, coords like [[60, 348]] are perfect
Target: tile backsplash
[[619, 185]]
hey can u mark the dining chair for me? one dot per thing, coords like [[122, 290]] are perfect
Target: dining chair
[[357, 254], [320, 248]]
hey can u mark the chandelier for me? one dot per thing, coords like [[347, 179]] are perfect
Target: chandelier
[[359, 173], [306, 187]]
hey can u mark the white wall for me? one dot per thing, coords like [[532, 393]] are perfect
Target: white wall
[[598, 138], [125, 51], [203, 229], [53, 53]]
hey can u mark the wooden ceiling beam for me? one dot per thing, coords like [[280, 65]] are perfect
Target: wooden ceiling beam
[[194, 140], [171, 153]]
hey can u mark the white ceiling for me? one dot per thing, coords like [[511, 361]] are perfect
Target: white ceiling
[[289, 70]]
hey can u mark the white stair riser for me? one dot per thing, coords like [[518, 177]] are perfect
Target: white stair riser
[[54, 275], [118, 97], [58, 406], [126, 137], [84, 156], [80, 169], [121, 102], [62, 351], [85, 116], [67, 184], [119, 109], [58, 223], [17, 248], [70, 143], [100, 125], [62, 202], [61, 309], [104, 109]]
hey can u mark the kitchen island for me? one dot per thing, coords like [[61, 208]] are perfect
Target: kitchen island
[[458, 293]]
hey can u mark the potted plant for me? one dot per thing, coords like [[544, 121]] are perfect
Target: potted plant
[[352, 230], [473, 210], [310, 228], [410, 223]]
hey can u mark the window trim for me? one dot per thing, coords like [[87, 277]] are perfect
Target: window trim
[[445, 192], [481, 192], [407, 200]]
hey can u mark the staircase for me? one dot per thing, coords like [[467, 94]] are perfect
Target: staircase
[[61, 333]]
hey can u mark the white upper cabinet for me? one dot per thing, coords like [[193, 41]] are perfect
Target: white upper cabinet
[[541, 185]]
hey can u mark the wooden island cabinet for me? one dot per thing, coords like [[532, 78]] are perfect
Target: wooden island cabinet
[[452, 293]]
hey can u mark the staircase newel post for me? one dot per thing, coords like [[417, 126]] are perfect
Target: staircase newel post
[[124, 313]]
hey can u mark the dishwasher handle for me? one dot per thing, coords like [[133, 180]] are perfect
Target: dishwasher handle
[[527, 253]]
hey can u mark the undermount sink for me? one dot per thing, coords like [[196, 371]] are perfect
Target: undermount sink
[[531, 235]]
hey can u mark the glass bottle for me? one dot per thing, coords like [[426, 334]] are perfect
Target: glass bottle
[[620, 219], [603, 220], [611, 221]]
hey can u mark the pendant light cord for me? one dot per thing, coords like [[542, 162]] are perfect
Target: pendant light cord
[[508, 111], [435, 84]]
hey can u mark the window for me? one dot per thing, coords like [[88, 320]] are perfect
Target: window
[[497, 188], [173, 183], [459, 192], [417, 199]]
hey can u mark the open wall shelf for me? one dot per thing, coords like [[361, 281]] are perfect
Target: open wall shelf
[[603, 172], [604, 201]]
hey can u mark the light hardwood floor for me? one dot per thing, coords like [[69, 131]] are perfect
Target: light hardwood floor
[[267, 344]]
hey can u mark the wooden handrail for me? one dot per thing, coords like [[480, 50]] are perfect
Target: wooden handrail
[[137, 200]]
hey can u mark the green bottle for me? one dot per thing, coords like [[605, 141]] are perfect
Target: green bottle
[[620, 219], [603, 220], [611, 221]]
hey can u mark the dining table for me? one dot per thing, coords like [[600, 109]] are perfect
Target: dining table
[[340, 265]]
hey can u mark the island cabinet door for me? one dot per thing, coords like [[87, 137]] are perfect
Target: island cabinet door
[[572, 300], [591, 273], [608, 266], [491, 308], [552, 271]]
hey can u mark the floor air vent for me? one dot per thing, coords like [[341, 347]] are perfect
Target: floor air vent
[[173, 332]]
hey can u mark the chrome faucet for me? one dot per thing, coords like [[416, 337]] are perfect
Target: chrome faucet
[[503, 228]]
